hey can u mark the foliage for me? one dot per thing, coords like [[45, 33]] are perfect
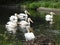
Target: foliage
[[57, 22], [49, 4], [34, 5]]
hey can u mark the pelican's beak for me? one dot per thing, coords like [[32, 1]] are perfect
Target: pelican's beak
[[28, 13], [15, 14], [52, 13]]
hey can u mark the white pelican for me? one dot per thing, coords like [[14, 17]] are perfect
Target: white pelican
[[23, 24], [11, 26], [13, 18], [49, 17], [51, 14], [29, 36], [24, 15]]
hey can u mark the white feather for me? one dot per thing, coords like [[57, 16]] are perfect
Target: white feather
[[29, 36], [13, 18], [22, 16], [47, 17], [11, 26], [24, 26]]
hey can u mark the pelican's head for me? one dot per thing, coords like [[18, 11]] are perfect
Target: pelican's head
[[13, 18], [52, 13], [15, 14]]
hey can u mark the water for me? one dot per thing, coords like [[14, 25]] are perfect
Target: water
[[6, 11]]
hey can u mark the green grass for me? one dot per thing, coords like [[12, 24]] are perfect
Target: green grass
[[57, 22], [34, 5]]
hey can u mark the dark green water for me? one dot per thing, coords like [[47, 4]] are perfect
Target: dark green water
[[39, 25], [7, 10]]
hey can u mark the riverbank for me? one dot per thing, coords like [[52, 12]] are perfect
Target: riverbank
[[47, 10]]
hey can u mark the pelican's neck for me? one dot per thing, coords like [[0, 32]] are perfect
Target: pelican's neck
[[25, 13], [52, 15], [28, 20], [27, 29]]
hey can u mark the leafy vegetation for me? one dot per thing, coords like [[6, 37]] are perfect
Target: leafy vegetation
[[49, 4]]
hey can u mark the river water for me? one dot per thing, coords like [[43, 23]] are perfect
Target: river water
[[8, 10]]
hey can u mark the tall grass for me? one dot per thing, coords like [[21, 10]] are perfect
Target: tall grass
[[49, 4]]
